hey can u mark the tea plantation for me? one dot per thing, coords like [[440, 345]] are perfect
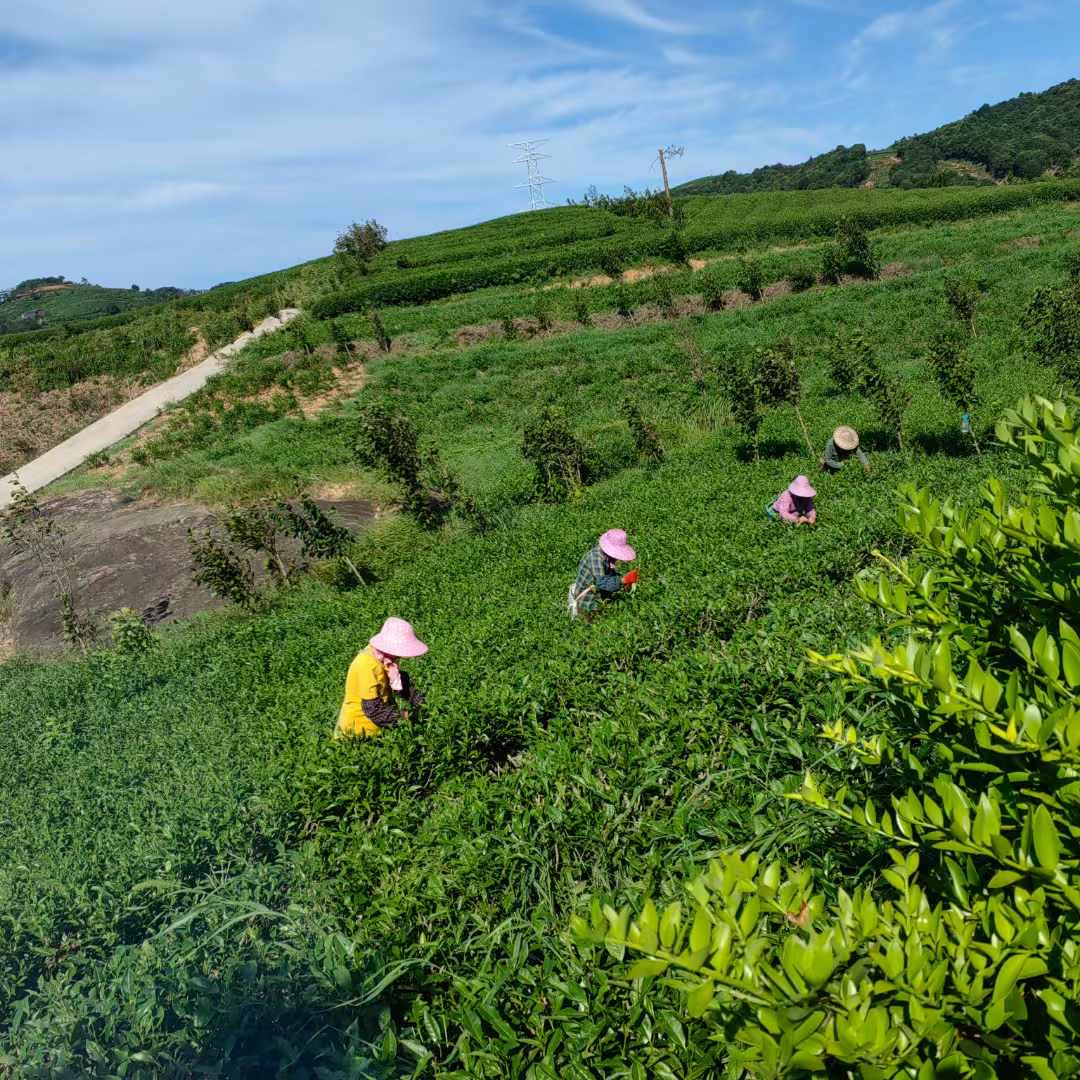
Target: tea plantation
[[195, 880]]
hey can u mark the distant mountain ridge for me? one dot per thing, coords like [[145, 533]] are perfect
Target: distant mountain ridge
[[51, 301], [1028, 136]]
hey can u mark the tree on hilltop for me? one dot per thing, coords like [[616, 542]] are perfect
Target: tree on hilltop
[[359, 244]]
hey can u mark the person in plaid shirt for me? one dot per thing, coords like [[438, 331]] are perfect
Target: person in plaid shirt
[[598, 577]]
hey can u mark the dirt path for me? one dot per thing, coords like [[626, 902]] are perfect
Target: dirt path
[[123, 554], [131, 416]]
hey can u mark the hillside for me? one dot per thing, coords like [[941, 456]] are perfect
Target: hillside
[[53, 301], [1029, 136], [196, 879]]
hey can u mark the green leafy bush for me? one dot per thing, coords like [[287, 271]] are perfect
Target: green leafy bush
[[802, 278], [1052, 322], [962, 959], [646, 439], [962, 296], [712, 289], [751, 277], [130, 635], [557, 455]]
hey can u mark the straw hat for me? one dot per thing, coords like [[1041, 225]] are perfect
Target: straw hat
[[613, 544], [846, 438], [398, 638], [801, 487]]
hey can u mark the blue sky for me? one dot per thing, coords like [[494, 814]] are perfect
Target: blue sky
[[211, 140]]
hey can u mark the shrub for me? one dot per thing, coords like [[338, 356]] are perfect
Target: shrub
[[624, 301], [646, 438], [581, 308], [850, 252], [557, 455], [712, 290], [845, 360], [611, 263], [802, 278], [664, 296], [751, 277], [884, 390], [740, 383], [222, 571], [832, 264], [1052, 322], [962, 296], [130, 635], [378, 330], [676, 248], [542, 310], [509, 327], [388, 440], [359, 244], [950, 362], [31, 532], [1072, 267], [859, 257], [777, 376], [963, 962]]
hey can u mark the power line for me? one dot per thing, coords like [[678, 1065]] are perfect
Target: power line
[[531, 158]]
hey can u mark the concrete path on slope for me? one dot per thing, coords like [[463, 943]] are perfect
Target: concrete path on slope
[[127, 419]]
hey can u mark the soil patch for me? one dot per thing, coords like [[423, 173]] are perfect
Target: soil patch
[[125, 554]]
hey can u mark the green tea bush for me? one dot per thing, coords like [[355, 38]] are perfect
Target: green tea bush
[[646, 439], [712, 289], [557, 455], [886, 392], [542, 311], [581, 308], [387, 439], [962, 296], [664, 296], [962, 958], [1052, 323], [751, 277], [378, 330], [624, 301], [130, 635], [950, 362], [802, 278]]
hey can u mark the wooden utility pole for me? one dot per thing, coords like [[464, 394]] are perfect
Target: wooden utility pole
[[663, 155], [667, 186]]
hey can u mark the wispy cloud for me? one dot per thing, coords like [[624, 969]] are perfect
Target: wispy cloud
[[632, 12]]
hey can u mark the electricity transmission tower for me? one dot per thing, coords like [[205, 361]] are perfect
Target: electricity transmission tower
[[663, 156], [531, 158]]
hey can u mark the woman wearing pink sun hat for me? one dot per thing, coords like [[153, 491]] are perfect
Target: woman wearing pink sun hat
[[795, 504], [375, 680], [597, 576]]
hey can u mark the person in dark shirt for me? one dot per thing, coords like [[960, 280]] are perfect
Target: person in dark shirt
[[843, 444]]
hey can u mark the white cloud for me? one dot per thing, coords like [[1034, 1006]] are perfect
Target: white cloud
[[632, 12], [173, 193]]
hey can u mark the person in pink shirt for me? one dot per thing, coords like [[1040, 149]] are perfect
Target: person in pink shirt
[[795, 504]]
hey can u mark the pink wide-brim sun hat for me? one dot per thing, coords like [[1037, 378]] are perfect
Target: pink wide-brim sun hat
[[801, 487], [398, 638], [613, 544]]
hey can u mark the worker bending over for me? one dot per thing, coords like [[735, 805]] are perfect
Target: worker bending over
[[375, 682], [598, 577], [842, 445], [795, 504]]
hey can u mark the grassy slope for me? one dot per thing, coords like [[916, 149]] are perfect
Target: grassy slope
[[556, 759], [71, 303]]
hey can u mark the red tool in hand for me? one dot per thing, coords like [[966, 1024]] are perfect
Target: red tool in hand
[[630, 579]]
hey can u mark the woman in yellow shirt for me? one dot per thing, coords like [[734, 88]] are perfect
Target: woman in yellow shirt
[[375, 681]]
